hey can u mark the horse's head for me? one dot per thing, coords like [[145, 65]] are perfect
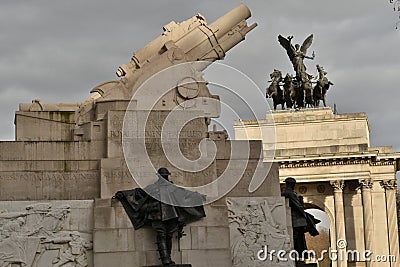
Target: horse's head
[[276, 75], [288, 78]]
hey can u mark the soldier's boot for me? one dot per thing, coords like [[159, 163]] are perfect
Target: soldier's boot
[[163, 251], [169, 244]]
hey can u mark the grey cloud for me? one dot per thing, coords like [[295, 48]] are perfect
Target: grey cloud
[[58, 50]]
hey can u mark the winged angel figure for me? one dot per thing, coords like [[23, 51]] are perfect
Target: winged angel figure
[[297, 54]]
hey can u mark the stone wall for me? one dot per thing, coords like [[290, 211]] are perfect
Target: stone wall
[[54, 161]]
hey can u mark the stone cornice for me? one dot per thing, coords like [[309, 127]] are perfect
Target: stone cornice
[[300, 117], [306, 163]]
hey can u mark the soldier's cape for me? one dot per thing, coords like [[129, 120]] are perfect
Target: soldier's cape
[[136, 202], [312, 224], [301, 218]]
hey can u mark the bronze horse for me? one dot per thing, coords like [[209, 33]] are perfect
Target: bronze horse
[[289, 91], [321, 87], [308, 92], [274, 90]]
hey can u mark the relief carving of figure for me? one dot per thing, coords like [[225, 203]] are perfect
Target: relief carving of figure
[[26, 235], [255, 227], [13, 243], [75, 253]]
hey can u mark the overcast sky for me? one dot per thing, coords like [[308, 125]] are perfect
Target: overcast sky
[[56, 51]]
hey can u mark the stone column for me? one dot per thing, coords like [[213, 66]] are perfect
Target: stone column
[[340, 224], [366, 185], [390, 187]]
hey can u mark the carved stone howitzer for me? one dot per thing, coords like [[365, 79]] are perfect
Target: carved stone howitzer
[[188, 41]]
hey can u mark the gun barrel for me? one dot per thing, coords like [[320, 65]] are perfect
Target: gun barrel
[[194, 40], [212, 42], [224, 24]]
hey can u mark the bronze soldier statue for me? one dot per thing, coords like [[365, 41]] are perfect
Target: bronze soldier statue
[[302, 222], [165, 207]]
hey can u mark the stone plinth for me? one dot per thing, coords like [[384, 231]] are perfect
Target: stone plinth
[[309, 128]]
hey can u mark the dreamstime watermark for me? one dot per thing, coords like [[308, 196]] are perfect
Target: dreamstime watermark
[[339, 254], [164, 104]]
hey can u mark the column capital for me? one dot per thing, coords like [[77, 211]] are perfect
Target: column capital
[[337, 185], [366, 183], [389, 184]]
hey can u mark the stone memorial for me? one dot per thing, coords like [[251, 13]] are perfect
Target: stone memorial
[[58, 178]]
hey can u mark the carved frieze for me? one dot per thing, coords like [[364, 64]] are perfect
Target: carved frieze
[[36, 237], [333, 162], [257, 223]]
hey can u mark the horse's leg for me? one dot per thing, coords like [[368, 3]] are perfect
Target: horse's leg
[[312, 97], [323, 99]]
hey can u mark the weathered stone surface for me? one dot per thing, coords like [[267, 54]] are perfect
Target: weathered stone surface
[[123, 240], [310, 128], [44, 126], [209, 237], [173, 265], [119, 259], [205, 258], [47, 150], [48, 185]]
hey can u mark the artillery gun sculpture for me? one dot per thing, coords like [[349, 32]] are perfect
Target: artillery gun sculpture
[[192, 40]]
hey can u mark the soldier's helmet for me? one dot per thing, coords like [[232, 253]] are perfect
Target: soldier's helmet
[[163, 171], [74, 233], [290, 180]]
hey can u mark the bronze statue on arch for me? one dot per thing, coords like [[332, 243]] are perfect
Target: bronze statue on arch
[[299, 91]]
